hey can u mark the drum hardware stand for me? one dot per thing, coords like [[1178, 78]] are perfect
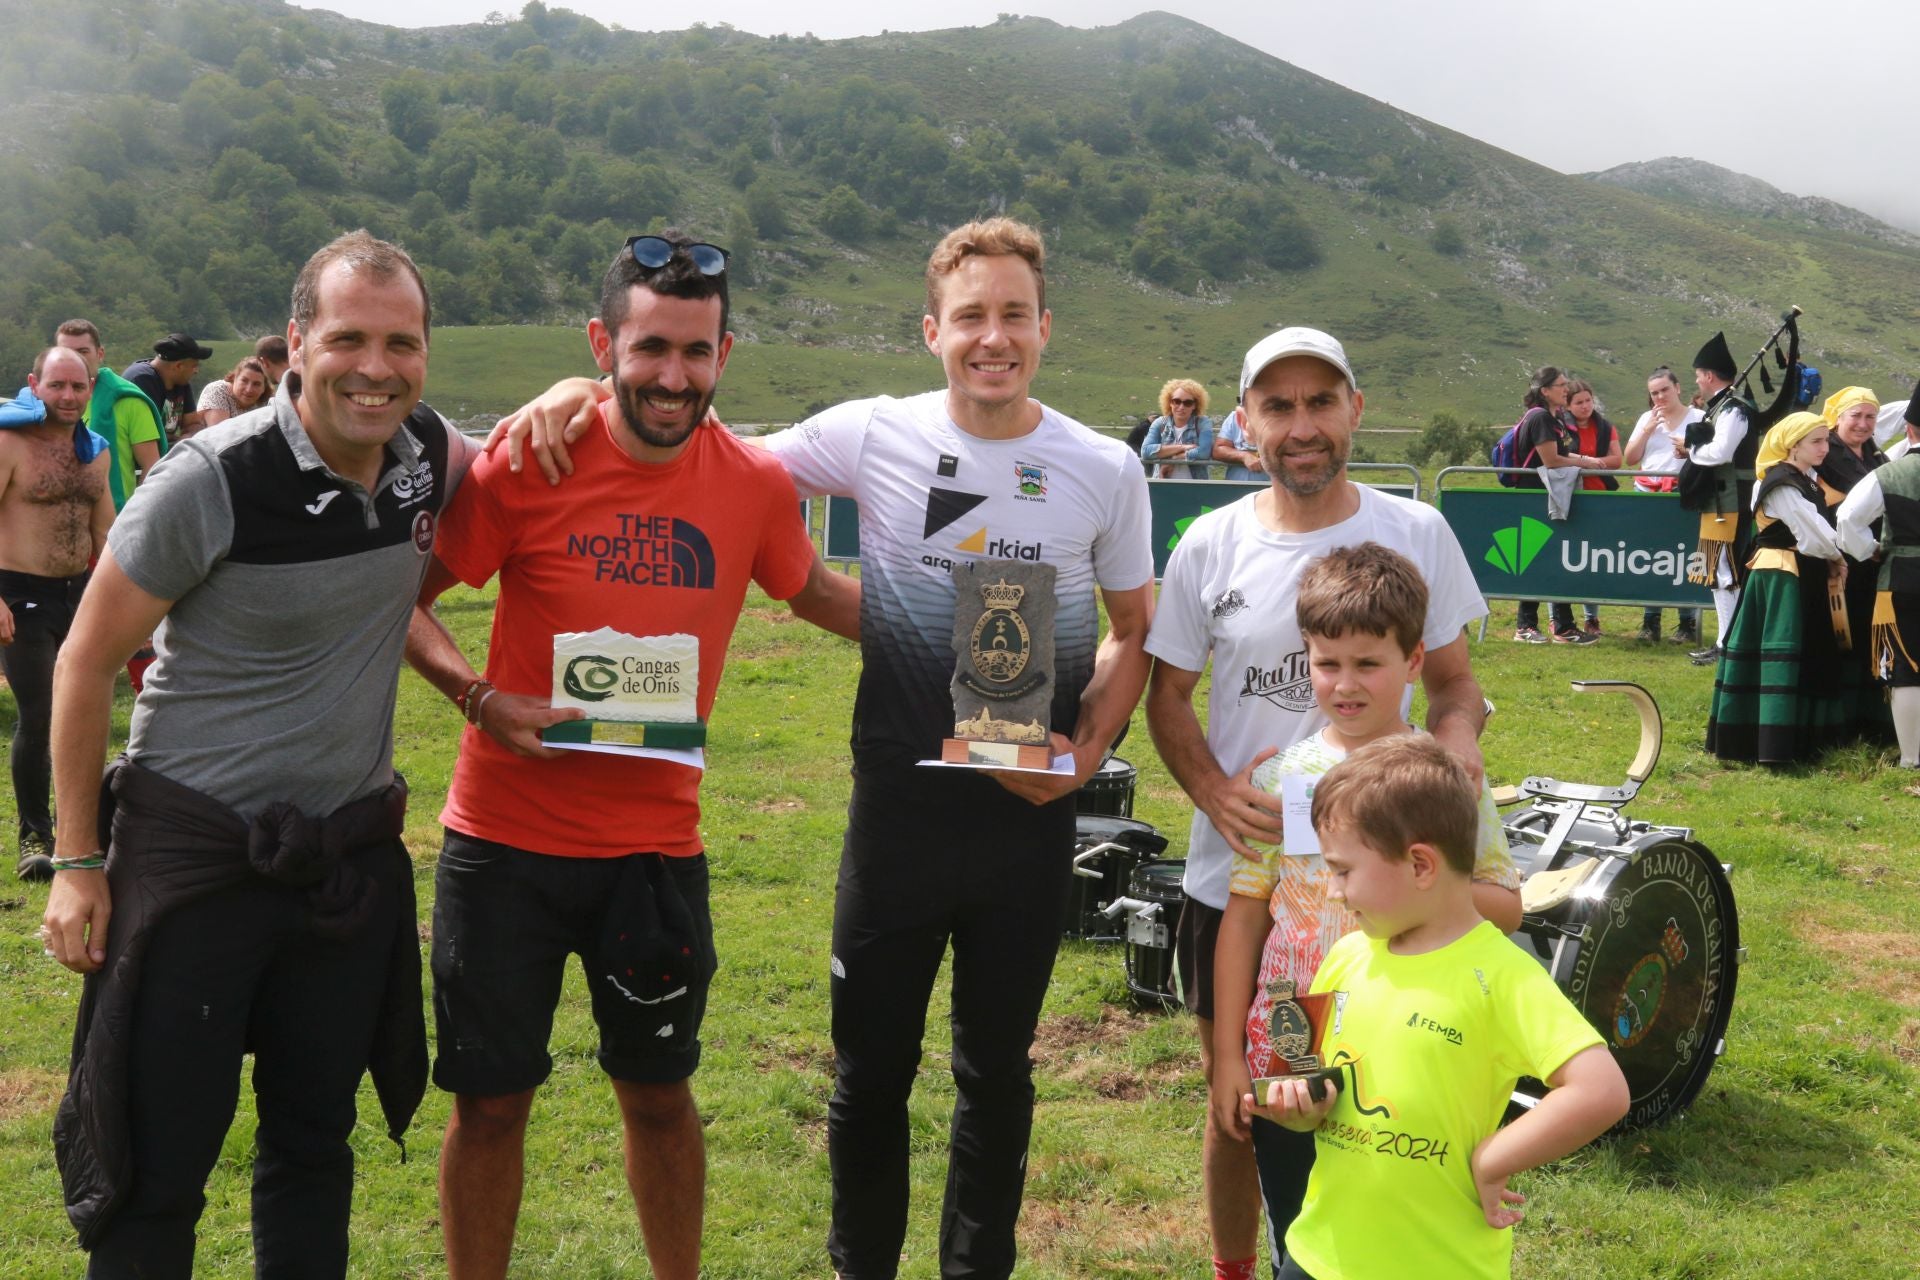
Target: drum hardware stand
[[1582, 797], [1144, 928], [1085, 872]]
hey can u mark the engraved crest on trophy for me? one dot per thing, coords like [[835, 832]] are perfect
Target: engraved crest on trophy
[[1002, 683], [1297, 1027]]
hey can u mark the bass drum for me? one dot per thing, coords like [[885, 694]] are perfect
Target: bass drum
[[1637, 925]]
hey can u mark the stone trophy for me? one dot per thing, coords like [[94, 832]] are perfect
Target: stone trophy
[[1003, 613], [1297, 1028], [636, 691]]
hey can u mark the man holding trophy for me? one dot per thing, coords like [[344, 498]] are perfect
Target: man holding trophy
[[987, 523], [572, 820]]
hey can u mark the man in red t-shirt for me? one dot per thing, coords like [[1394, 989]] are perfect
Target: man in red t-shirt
[[548, 852]]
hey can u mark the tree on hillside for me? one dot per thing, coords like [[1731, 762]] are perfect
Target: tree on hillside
[[412, 109], [844, 215], [1452, 441]]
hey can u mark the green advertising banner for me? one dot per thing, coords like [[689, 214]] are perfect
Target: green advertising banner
[[1176, 504], [1614, 548]]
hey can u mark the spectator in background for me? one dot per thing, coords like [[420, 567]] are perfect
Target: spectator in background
[[244, 389], [1231, 446], [1595, 438], [1137, 434], [1183, 431], [1650, 448], [167, 378], [271, 352], [118, 412], [1851, 414], [1545, 439]]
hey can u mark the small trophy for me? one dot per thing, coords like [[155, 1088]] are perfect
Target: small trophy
[[637, 691], [1003, 671], [1297, 1029]]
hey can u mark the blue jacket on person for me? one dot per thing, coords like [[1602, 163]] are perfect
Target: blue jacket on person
[[1198, 432]]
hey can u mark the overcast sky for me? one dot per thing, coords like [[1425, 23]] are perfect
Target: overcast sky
[[1808, 96]]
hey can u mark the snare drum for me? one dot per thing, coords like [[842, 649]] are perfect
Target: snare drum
[[1108, 792], [1642, 935], [1151, 930], [1105, 852]]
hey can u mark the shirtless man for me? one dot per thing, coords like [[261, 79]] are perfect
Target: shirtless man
[[54, 514]]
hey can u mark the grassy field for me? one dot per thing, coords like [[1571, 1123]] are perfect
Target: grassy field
[[1800, 1159]]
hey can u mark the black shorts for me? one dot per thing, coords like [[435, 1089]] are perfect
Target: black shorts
[[1193, 948], [505, 921]]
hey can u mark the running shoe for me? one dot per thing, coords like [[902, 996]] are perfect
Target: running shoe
[[1528, 635], [1575, 637]]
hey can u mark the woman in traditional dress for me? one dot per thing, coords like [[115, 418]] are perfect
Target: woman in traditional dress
[[1888, 500], [1776, 692], [1851, 414]]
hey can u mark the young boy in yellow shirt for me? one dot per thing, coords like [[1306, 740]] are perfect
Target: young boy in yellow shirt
[[1362, 612], [1435, 1015]]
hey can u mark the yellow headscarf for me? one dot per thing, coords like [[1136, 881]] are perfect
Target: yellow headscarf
[[1844, 399], [1786, 433]]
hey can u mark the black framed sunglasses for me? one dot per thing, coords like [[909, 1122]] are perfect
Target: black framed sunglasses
[[655, 252], [1178, 400]]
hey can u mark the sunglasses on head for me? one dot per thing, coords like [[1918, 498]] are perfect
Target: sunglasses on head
[[654, 252], [1178, 400]]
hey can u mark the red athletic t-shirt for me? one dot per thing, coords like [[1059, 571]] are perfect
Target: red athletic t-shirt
[[649, 549]]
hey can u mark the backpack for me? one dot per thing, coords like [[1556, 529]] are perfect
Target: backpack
[[1505, 453]]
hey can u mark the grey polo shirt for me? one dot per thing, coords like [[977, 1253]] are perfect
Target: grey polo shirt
[[279, 662]]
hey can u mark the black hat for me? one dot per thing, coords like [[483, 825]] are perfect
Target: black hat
[[1912, 413], [1716, 359], [181, 346]]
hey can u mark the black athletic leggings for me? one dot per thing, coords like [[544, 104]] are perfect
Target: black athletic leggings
[[946, 857], [42, 614]]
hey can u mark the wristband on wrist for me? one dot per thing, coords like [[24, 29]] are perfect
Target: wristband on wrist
[[471, 699], [465, 696], [94, 861], [480, 705]]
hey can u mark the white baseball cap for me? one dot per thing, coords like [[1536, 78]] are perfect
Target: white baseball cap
[[1295, 341]]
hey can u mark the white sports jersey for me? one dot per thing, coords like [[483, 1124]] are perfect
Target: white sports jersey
[[1229, 592], [931, 495]]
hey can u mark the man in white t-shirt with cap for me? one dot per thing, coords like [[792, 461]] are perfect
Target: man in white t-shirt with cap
[[1228, 595]]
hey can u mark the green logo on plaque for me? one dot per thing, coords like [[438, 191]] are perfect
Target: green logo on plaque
[[591, 678], [1514, 549]]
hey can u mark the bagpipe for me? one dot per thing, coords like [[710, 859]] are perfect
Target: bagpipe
[[1799, 387]]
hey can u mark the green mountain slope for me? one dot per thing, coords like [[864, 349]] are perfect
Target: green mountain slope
[[170, 165]]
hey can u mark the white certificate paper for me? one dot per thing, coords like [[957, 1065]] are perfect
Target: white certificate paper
[[1299, 839]]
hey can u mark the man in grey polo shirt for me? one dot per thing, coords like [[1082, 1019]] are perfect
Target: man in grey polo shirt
[[257, 897]]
